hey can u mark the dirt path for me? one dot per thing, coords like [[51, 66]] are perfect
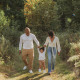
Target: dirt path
[[37, 76]]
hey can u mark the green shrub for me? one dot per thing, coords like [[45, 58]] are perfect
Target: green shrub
[[12, 34], [7, 51], [67, 40]]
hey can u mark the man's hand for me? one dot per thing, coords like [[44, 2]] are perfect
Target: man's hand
[[38, 46], [19, 52], [58, 53]]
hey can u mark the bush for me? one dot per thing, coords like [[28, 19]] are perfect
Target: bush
[[66, 40], [12, 34], [7, 51]]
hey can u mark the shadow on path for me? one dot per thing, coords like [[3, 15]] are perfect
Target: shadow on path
[[34, 77]]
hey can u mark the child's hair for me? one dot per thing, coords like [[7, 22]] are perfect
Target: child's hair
[[41, 48]]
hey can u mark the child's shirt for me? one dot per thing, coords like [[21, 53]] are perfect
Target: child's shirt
[[42, 55]]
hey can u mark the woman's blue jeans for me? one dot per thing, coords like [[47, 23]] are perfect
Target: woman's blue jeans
[[51, 58]]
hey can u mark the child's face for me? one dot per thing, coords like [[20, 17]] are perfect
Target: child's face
[[41, 51]]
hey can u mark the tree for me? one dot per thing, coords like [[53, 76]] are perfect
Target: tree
[[68, 11], [14, 10]]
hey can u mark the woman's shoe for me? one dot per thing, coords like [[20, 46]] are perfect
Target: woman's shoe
[[49, 73]]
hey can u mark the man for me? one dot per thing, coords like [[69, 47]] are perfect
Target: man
[[26, 40]]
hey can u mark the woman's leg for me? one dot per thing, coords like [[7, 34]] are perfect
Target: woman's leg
[[53, 58], [49, 59]]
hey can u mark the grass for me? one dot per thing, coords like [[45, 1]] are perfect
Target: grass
[[13, 71]]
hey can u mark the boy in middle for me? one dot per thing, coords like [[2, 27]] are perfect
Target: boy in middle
[[42, 52]]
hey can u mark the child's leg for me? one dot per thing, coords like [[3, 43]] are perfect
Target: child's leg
[[40, 64], [43, 64]]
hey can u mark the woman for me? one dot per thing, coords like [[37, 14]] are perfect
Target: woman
[[53, 46]]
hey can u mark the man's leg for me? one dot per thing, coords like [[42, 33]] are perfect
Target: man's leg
[[24, 55], [31, 57]]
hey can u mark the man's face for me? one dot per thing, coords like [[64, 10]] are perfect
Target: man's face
[[27, 31]]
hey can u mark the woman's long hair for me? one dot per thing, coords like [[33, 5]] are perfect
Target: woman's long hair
[[51, 33]]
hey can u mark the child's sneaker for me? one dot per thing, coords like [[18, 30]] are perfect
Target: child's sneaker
[[44, 71], [39, 70], [25, 67], [30, 71]]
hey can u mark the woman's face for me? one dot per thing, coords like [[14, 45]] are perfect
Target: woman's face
[[49, 36]]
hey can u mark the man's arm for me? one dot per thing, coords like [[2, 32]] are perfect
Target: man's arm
[[20, 45], [36, 41]]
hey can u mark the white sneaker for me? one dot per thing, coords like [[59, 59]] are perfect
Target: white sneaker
[[30, 71], [44, 71], [39, 70], [25, 67]]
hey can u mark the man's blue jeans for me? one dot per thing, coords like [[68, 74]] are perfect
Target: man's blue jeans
[[51, 58]]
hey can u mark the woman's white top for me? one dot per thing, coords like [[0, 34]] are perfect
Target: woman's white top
[[42, 55], [55, 43], [27, 41]]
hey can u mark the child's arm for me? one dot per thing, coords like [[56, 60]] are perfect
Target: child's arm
[[38, 50], [44, 49]]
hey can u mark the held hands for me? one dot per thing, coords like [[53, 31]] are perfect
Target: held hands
[[38, 46], [58, 53], [44, 46]]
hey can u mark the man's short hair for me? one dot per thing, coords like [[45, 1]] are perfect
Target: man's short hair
[[27, 28]]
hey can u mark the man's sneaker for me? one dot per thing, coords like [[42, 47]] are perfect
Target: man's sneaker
[[30, 71], [39, 70], [25, 67], [44, 71]]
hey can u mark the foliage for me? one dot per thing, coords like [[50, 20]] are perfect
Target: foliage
[[14, 10], [75, 57], [67, 48], [6, 50], [69, 9], [4, 22]]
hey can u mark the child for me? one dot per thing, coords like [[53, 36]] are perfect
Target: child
[[41, 52]]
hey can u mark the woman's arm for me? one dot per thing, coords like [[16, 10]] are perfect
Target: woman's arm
[[46, 42], [58, 45]]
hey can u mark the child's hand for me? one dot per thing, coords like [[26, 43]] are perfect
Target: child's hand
[[19, 52], [44, 46], [58, 53]]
